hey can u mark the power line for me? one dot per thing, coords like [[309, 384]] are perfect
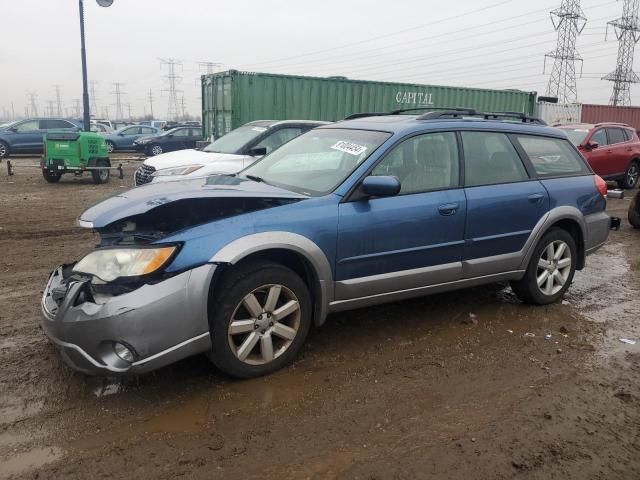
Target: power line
[[172, 79], [627, 30]]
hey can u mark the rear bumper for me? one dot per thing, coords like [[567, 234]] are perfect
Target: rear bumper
[[597, 227], [161, 323]]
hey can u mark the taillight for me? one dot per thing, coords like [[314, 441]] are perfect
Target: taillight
[[601, 185]]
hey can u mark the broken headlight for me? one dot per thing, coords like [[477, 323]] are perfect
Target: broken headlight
[[185, 170], [111, 263]]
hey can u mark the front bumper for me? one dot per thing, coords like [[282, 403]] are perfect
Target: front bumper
[[161, 323]]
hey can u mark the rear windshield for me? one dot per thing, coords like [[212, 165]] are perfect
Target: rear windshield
[[236, 140], [552, 156], [576, 135]]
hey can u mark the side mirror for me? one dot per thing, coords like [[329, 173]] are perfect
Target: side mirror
[[592, 145], [257, 151], [381, 186]]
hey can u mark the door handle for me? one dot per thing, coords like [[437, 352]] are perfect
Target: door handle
[[536, 197], [448, 209], [608, 151]]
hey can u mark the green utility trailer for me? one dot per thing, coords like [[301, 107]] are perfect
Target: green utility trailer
[[75, 152], [232, 98]]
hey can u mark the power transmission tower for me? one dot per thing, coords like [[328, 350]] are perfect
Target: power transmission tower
[[172, 79], [58, 101], [151, 102], [51, 108], [568, 21], [129, 109], [182, 107], [209, 67], [118, 93], [76, 108], [34, 105], [627, 29], [94, 103], [13, 111]]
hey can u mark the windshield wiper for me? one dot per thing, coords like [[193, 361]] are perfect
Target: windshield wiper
[[255, 178]]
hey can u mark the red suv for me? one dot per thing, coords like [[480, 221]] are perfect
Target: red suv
[[612, 150]]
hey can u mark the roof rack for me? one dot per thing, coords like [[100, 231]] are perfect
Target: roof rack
[[437, 113], [612, 123]]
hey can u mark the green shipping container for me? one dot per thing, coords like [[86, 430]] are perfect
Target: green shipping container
[[233, 98]]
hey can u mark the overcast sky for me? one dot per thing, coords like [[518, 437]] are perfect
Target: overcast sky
[[483, 43]]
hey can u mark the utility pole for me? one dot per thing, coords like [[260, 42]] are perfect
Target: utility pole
[[13, 112], [51, 108], [34, 105], [76, 108], [118, 93], [627, 30], [94, 103], [172, 79], [58, 101], [151, 103], [568, 21], [129, 109]]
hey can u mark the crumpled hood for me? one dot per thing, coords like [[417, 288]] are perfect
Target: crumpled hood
[[147, 197], [182, 158]]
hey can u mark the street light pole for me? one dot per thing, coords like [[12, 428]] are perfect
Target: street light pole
[[86, 120], [85, 91]]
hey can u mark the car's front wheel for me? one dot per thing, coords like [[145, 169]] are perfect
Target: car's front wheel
[[631, 176], [110, 146], [550, 270], [259, 319]]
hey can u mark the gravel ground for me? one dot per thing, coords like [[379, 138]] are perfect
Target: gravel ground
[[453, 386]]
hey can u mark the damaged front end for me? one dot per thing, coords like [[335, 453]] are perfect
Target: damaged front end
[[121, 309]]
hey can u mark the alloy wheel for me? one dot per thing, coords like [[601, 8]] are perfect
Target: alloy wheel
[[110, 147], [264, 324], [3, 150], [104, 174], [156, 150], [554, 267], [632, 175]]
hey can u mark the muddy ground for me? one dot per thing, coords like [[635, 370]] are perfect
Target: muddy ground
[[461, 385]]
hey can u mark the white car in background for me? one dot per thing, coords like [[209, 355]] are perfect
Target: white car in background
[[229, 154]]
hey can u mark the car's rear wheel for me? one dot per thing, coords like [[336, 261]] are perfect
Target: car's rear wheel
[[110, 147], [259, 319], [102, 175], [4, 150], [155, 150], [550, 270], [51, 177], [634, 211], [631, 176]]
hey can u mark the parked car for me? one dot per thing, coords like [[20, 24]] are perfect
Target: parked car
[[174, 139], [101, 128], [347, 215], [612, 150], [103, 121], [124, 138], [229, 154], [26, 136]]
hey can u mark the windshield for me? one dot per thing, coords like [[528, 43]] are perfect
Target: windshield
[[576, 135], [317, 162], [235, 140]]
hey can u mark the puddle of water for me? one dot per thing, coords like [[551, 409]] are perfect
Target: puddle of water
[[32, 459]]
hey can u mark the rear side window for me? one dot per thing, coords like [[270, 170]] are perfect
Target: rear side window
[[615, 135], [552, 156], [490, 158]]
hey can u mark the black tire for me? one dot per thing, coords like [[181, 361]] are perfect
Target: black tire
[[527, 288], [4, 150], [51, 177], [631, 176], [111, 147], [634, 211], [101, 176], [228, 302]]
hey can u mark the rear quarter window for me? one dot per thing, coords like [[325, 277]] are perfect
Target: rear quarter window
[[552, 156]]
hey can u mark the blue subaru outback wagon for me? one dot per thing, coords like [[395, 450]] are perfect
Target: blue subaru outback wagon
[[369, 210]]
